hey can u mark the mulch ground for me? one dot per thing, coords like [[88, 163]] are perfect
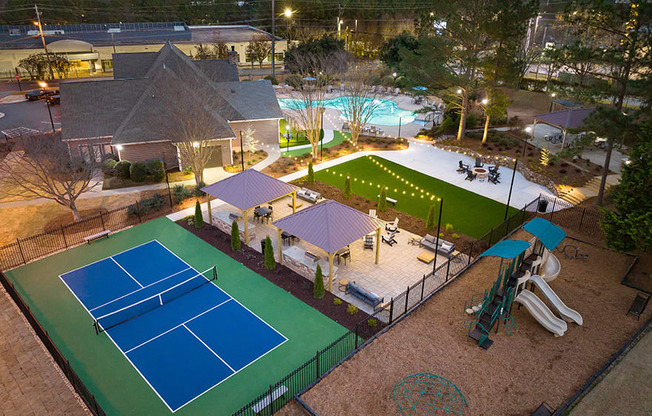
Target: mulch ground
[[519, 371], [286, 279]]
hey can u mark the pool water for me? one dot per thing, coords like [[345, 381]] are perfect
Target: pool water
[[387, 112]]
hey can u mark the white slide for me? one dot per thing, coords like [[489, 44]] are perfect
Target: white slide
[[551, 267], [541, 313], [566, 313]]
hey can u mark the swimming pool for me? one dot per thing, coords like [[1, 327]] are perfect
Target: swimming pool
[[387, 113]]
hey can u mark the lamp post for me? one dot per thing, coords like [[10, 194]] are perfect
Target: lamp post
[[47, 103], [527, 130], [400, 119], [511, 185], [241, 151], [321, 135], [273, 39], [441, 208], [287, 138], [551, 99], [288, 15], [45, 47]]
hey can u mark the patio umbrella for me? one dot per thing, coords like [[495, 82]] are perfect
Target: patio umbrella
[[309, 79], [420, 88]]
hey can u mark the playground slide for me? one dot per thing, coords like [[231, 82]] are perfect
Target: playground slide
[[541, 313], [551, 267], [567, 314]]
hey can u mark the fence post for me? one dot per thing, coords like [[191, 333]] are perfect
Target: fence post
[[491, 234], [140, 219], [21, 251], [407, 298], [271, 400], [554, 203], [448, 268], [391, 310], [63, 234], [102, 219], [423, 285], [470, 253], [317, 365], [581, 219], [523, 216], [356, 335]]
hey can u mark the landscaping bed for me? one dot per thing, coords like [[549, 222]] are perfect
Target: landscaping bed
[[250, 159], [286, 279]]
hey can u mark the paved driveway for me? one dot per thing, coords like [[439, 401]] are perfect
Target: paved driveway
[[31, 114]]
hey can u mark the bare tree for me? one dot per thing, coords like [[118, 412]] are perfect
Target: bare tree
[[360, 101], [43, 167], [259, 49], [306, 107], [219, 48]]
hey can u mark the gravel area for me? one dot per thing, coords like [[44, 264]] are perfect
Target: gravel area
[[519, 371]]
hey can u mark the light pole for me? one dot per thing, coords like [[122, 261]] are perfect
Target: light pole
[[287, 137], [441, 208], [321, 135], [241, 151], [288, 14], [551, 99], [511, 185], [45, 47], [400, 119], [47, 103], [273, 38]]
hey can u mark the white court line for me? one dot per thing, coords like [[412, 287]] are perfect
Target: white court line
[[138, 290], [173, 328], [209, 348], [123, 269], [106, 258]]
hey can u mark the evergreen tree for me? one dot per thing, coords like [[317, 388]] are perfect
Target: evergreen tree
[[270, 263], [382, 200], [235, 236], [430, 221], [311, 174], [199, 218], [347, 187], [318, 290]]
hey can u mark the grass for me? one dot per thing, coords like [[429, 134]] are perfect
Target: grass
[[338, 138], [298, 138], [469, 213], [112, 379]]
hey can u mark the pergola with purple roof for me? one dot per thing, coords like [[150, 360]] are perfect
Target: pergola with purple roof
[[247, 190], [571, 118], [330, 226]]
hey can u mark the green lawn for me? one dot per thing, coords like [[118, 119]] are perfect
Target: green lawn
[[338, 138], [106, 372], [469, 213]]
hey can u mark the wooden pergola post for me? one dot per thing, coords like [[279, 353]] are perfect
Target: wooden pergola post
[[210, 214], [330, 271], [377, 245], [294, 202], [278, 241], [246, 225]]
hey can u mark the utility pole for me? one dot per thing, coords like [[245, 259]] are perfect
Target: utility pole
[[273, 40], [40, 28]]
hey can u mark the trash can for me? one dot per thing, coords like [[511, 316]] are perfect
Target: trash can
[[543, 205], [262, 246]]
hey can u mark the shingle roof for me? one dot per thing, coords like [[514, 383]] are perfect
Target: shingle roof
[[329, 225], [132, 65], [249, 189], [218, 70], [241, 95], [566, 119]]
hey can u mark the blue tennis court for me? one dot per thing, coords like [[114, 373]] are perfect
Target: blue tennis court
[[180, 331]]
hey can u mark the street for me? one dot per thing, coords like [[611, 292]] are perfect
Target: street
[[30, 114]]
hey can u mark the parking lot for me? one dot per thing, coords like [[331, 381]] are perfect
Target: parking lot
[[18, 112]]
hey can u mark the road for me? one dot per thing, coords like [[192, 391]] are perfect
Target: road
[[31, 114]]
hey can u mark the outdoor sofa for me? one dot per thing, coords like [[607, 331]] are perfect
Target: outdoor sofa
[[309, 195], [444, 247]]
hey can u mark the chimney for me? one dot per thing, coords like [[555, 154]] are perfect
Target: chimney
[[232, 56]]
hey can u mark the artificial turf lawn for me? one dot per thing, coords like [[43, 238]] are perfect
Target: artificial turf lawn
[[338, 137], [105, 371], [469, 213]]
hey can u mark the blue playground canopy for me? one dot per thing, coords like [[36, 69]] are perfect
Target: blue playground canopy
[[548, 233], [507, 249]]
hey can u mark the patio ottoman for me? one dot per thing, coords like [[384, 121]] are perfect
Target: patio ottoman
[[426, 257]]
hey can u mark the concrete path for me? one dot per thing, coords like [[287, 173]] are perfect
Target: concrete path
[[30, 381]]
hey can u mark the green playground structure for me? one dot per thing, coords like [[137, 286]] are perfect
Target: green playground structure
[[428, 394]]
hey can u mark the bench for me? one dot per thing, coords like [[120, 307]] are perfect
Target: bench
[[368, 297], [390, 200], [638, 305], [97, 236], [267, 400]]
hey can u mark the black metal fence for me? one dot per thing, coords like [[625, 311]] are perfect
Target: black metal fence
[[73, 378], [24, 250], [572, 218]]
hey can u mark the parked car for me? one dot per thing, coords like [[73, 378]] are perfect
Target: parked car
[[35, 95], [53, 99]]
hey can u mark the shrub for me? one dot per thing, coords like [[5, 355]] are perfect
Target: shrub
[[352, 309], [180, 193], [455, 236], [122, 169], [347, 187], [441, 235], [471, 120], [270, 263], [271, 79], [147, 205], [430, 220], [156, 168], [197, 190], [108, 167], [235, 237], [382, 200], [449, 228], [372, 322], [294, 81], [513, 121], [138, 172], [337, 301], [318, 290], [199, 217], [188, 170], [311, 174]]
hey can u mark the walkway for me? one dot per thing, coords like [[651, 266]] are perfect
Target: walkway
[[30, 382]]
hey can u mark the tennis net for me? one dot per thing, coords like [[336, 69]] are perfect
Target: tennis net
[[152, 302]]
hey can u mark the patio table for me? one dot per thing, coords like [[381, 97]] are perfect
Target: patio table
[[481, 172]]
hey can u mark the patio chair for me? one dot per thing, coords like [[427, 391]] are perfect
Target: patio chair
[[493, 178], [380, 131], [372, 213], [389, 238], [470, 176], [493, 169], [478, 162], [369, 241], [397, 91], [392, 226], [462, 168], [345, 126]]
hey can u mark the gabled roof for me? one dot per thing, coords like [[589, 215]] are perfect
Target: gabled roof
[[218, 70], [572, 118], [242, 94], [132, 65], [249, 189], [329, 225]]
